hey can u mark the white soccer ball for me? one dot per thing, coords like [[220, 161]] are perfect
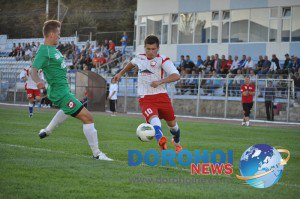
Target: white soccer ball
[[145, 132]]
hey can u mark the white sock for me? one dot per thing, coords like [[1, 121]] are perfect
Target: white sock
[[91, 135], [155, 122], [247, 123], [174, 128], [59, 118]]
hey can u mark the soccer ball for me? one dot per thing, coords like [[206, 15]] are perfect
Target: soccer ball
[[145, 132]]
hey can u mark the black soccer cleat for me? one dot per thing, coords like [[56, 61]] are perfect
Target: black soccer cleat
[[42, 133]]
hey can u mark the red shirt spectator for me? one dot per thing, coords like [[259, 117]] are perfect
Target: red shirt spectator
[[250, 88], [111, 46]]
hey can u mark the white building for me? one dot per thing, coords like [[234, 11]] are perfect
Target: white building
[[229, 27]]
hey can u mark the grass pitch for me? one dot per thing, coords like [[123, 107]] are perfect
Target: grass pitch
[[60, 165]]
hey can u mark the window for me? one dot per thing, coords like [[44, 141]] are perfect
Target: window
[[142, 34], [286, 12], [214, 32], [142, 30], [259, 23], [164, 39], [186, 28], [285, 31], [296, 24], [226, 15], [202, 27], [215, 16], [274, 12], [273, 30], [239, 25], [225, 26], [174, 28], [154, 25]]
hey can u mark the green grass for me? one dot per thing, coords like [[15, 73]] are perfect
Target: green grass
[[60, 165]]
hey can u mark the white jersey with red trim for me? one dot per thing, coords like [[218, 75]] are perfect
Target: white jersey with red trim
[[152, 70], [30, 84]]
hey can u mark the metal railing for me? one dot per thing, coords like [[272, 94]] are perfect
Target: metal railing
[[192, 96]]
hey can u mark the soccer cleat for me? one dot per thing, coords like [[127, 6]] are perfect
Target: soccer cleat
[[43, 133], [30, 115], [243, 123], [102, 156], [162, 143], [177, 146]]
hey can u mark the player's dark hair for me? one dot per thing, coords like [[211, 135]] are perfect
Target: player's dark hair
[[152, 39], [50, 26]]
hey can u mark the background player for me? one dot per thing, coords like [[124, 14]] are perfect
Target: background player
[[248, 91], [33, 93], [51, 61], [154, 100]]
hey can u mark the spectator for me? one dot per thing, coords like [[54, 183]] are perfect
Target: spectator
[[252, 77], [207, 64], [19, 50], [269, 99], [229, 63], [249, 65], [112, 46], [192, 82], [242, 62], [106, 44], [217, 64], [259, 64], [296, 64], [189, 65], [28, 54], [199, 61], [124, 41], [112, 97], [182, 63], [13, 52], [296, 78], [265, 67], [236, 84], [274, 65], [281, 86], [288, 64], [224, 69], [235, 65], [248, 91]]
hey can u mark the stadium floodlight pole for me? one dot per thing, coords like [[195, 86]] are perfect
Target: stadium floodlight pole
[[47, 10], [58, 9]]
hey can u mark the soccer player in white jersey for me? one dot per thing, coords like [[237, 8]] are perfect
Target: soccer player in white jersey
[[154, 100], [33, 93]]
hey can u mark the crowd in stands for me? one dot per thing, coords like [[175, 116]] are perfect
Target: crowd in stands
[[24, 51], [88, 57], [213, 69]]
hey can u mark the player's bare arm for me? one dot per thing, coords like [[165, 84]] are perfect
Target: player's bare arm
[[35, 77], [127, 68], [171, 78]]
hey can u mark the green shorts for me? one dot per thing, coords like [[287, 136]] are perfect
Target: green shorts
[[69, 104]]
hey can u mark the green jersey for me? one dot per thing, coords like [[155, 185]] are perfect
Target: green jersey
[[51, 61]]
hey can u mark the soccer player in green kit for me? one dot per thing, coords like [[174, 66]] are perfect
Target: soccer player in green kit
[[51, 61]]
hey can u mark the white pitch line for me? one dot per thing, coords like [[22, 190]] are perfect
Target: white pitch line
[[228, 119], [192, 117], [124, 162]]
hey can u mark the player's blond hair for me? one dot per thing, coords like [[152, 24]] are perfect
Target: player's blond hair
[[50, 26]]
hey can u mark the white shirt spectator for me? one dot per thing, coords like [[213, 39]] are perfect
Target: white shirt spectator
[[234, 65], [112, 88], [28, 52], [249, 64]]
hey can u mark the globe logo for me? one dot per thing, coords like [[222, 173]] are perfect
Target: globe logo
[[261, 165]]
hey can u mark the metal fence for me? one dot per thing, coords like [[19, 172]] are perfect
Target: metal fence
[[191, 96]]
